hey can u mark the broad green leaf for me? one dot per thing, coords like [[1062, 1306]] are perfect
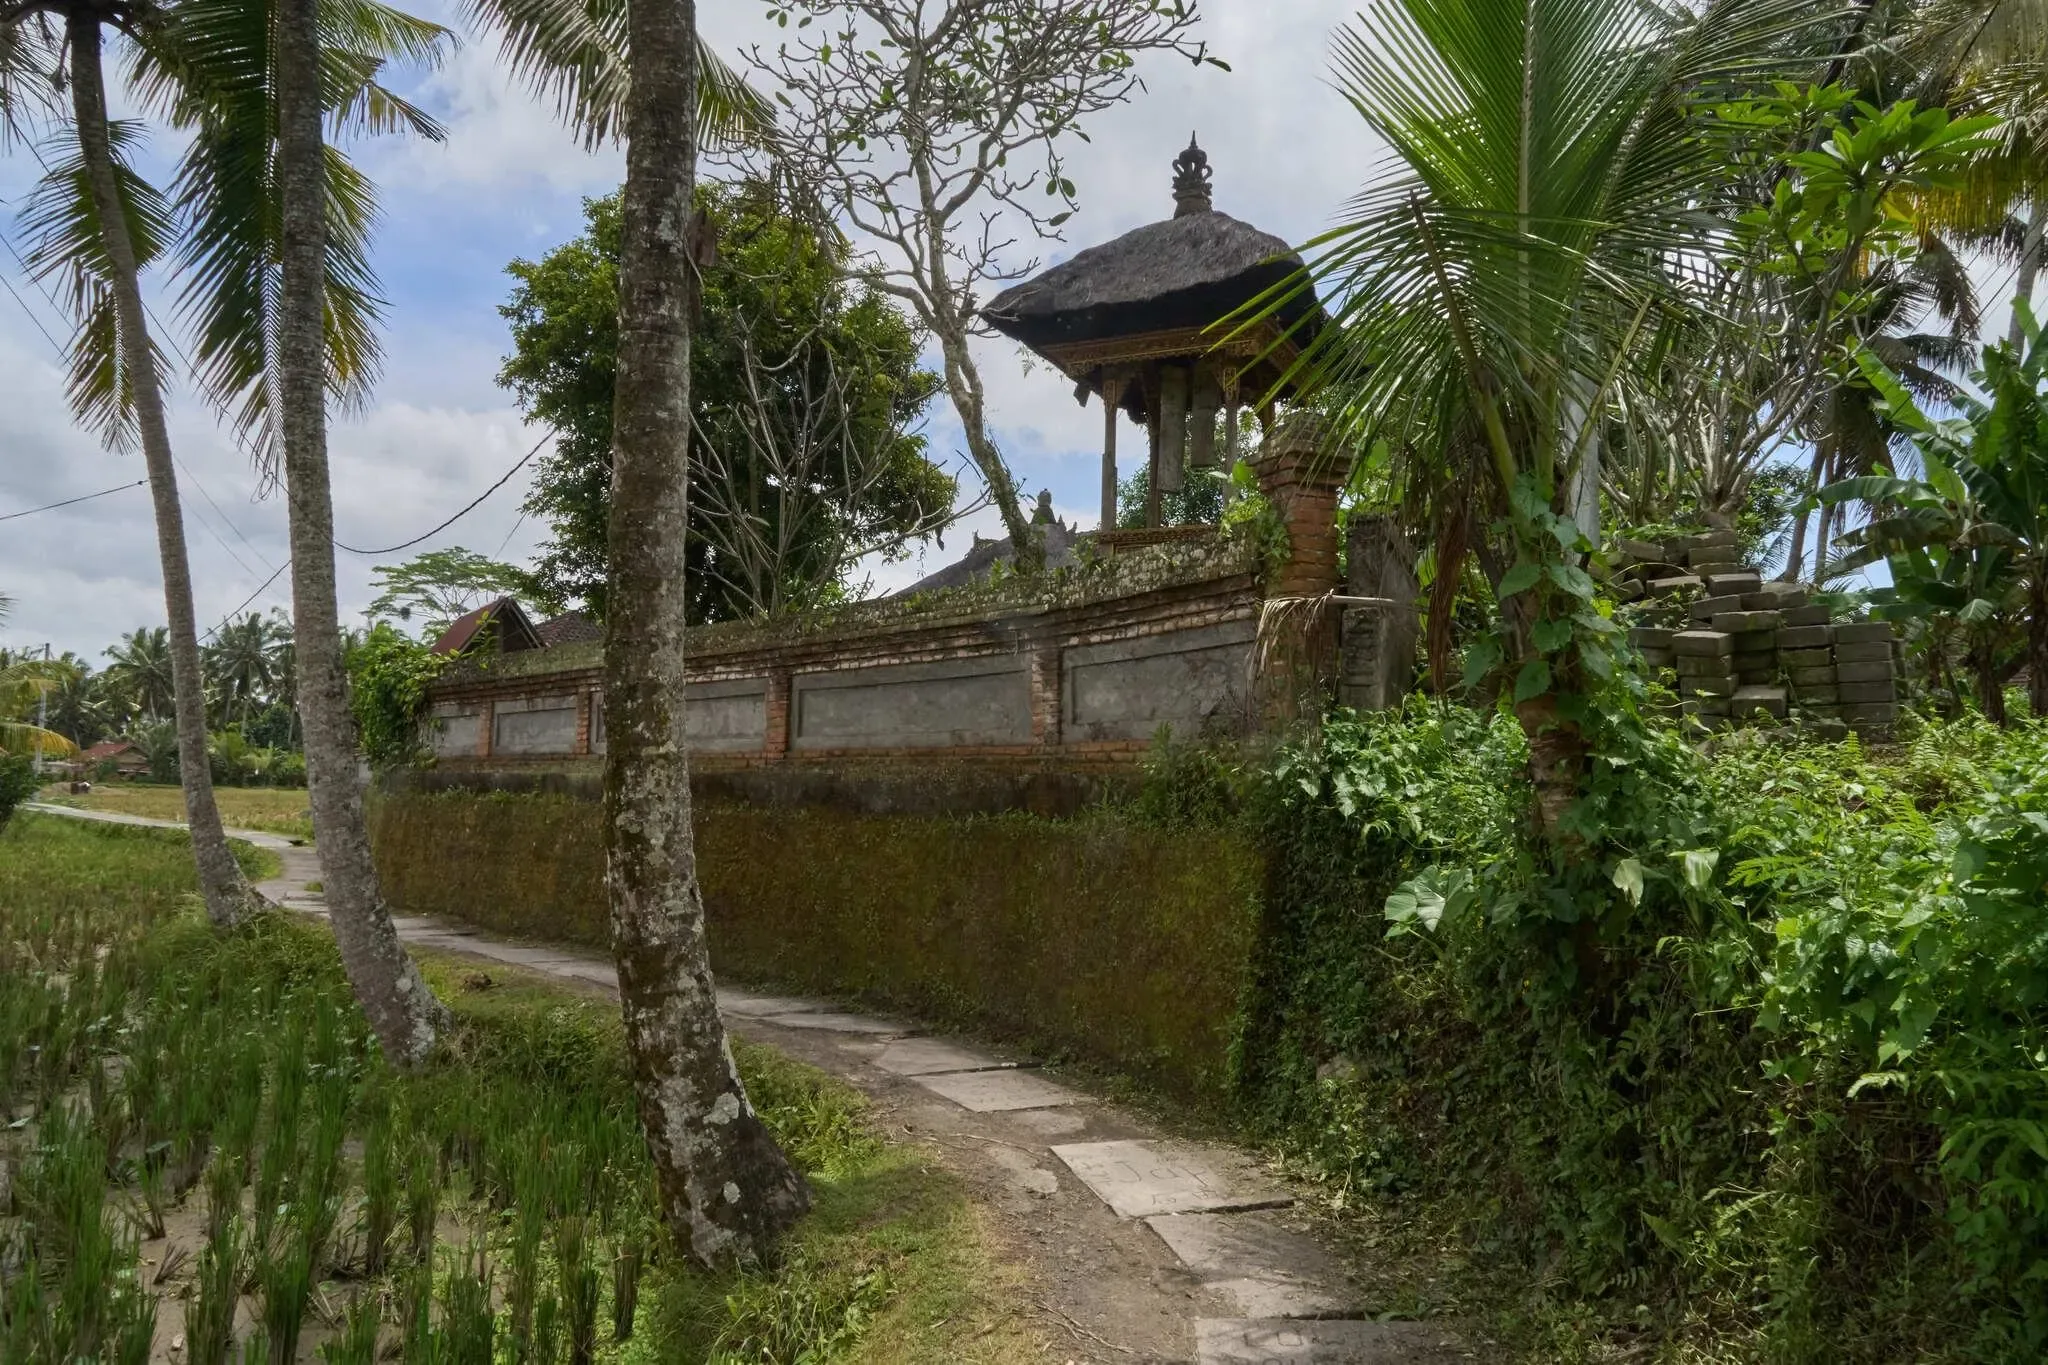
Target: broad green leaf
[[1628, 878], [1697, 865], [1521, 578], [1533, 680]]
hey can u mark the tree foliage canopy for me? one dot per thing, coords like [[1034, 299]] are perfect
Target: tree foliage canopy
[[777, 293]]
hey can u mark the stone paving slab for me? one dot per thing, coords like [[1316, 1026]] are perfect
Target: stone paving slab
[[932, 1056], [1140, 1179], [829, 1022], [754, 1006], [988, 1092], [1267, 1270], [1284, 1341]]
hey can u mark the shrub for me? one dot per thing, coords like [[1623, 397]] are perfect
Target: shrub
[[18, 782]]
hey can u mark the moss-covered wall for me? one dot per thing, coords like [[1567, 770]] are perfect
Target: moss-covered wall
[[1110, 940]]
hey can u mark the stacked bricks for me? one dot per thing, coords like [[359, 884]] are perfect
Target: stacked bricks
[[1867, 675], [1705, 660], [1753, 649], [1641, 568]]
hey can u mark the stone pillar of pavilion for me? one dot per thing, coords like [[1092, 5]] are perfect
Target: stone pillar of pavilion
[[1302, 475], [1145, 321]]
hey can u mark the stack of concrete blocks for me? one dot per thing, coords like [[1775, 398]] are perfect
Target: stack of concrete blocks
[[1705, 660], [1867, 675]]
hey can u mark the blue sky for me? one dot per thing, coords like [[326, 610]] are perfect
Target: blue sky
[[509, 182]]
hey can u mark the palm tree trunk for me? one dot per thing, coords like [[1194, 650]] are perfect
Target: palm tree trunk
[[402, 1010], [727, 1191], [221, 883], [2031, 247]]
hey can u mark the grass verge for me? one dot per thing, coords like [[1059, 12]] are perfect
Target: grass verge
[[274, 810]]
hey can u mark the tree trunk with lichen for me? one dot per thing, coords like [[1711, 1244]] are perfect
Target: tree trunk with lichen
[[401, 1008], [221, 883], [727, 1192]]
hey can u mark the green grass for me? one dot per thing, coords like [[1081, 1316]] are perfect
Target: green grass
[[274, 810], [135, 1040]]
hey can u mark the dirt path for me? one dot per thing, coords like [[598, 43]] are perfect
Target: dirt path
[[1141, 1250]]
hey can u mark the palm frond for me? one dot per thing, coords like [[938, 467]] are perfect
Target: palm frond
[[206, 67], [66, 247], [573, 54]]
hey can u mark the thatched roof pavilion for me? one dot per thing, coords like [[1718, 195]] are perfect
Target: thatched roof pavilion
[[1141, 321]]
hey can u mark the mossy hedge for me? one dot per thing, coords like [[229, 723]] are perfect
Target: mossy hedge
[[1102, 937]]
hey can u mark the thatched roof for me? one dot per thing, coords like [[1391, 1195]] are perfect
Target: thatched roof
[[1190, 271]]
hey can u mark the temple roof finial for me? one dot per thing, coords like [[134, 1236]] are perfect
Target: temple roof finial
[[1191, 175]]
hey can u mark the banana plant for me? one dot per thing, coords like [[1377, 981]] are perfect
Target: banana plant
[[1967, 542]]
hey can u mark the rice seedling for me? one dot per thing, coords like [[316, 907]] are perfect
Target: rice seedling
[[575, 1249], [626, 1267], [380, 1184], [422, 1201], [356, 1342], [210, 1312], [468, 1325], [529, 1226], [284, 1280]]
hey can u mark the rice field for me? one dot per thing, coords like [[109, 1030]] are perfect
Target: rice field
[[204, 1159]]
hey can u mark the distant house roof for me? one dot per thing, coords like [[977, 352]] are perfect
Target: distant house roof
[[1061, 546], [570, 628], [109, 748], [504, 622]]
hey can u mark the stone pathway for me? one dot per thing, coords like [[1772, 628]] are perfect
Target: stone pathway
[[1263, 1293]]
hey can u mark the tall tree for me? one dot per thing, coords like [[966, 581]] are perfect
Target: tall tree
[[727, 1191], [436, 586], [141, 669], [935, 132], [401, 1008], [99, 226], [791, 358]]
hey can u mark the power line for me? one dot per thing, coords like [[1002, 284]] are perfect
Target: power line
[[474, 504], [87, 497], [215, 632]]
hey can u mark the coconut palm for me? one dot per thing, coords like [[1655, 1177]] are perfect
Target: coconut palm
[[140, 667], [98, 226], [289, 331], [244, 663], [1498, 289], [22, 682]]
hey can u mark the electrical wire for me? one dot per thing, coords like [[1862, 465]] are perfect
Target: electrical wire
[[68, 502], [215, 632], [474, 504]]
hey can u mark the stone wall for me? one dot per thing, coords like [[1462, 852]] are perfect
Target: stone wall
[[1085, 668]]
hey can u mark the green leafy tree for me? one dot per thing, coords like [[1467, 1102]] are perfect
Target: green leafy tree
[[783, 328], [432, 589], [244, 664]]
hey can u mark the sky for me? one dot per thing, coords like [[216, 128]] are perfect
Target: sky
[[508, 182]]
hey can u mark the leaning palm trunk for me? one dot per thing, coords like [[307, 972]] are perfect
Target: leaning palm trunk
[[221, 883], [727, 1192], [401, 1009]]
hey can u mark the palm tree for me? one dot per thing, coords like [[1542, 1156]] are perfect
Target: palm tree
[[100, 225], [727, 1191], [575, 51], [244, 663], [1498, 291], [140, 667], [22, 682], [295, 338]]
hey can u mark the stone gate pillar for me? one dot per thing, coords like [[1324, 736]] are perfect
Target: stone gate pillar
[[1301, 475], [1379, 642]]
